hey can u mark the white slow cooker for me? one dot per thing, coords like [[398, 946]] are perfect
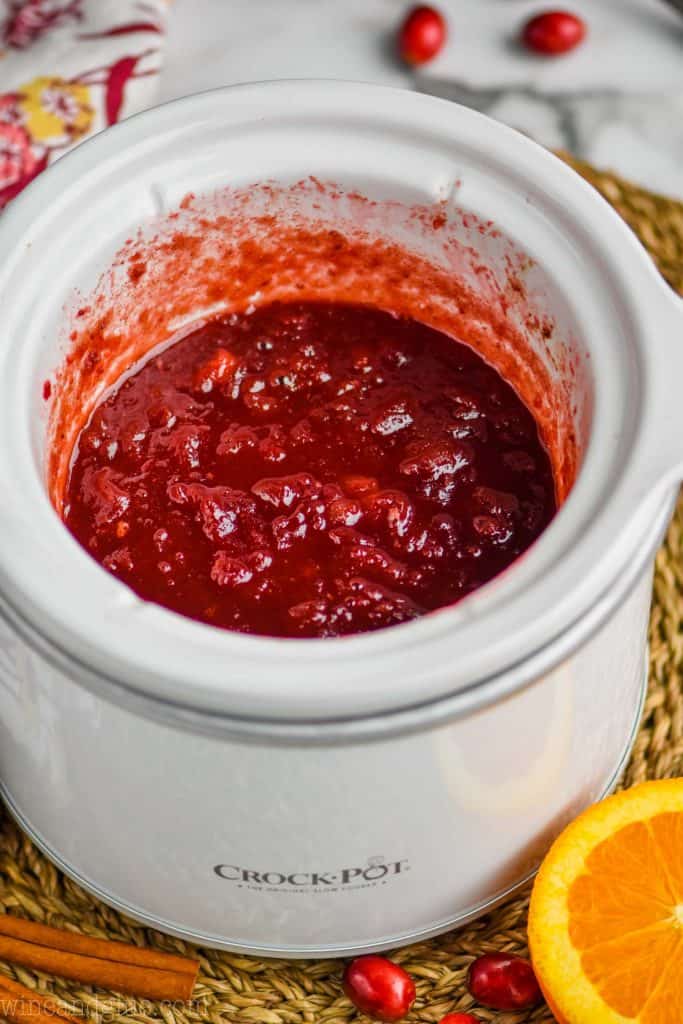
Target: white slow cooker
[[323, 797]]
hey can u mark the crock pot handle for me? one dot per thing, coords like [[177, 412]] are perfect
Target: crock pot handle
[[660, 455]]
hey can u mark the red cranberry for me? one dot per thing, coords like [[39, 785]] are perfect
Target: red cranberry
[[554, 32], [379, 988], [422, 35], [459, 1018], [504, 982]]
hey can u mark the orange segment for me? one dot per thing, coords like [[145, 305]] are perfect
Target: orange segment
[[606, 914]]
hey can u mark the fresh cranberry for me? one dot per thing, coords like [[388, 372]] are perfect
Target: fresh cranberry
[[422, 35], [504, 982], [459, 1018], [379, 988], [554, 32]]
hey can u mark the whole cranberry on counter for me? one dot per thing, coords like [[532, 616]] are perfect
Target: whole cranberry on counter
[[459, 1018], [554, 32], [502, 981], [379, 988], [422, 34]]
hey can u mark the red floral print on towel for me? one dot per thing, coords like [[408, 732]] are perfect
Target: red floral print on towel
[[30, 19]]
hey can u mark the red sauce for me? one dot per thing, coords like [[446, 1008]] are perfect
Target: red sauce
[[311, 469]]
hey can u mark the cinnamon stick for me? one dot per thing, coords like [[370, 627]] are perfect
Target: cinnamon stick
[[74, 942], [116, 965], [20, 1005]]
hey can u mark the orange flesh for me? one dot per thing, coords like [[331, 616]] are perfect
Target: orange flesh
[[626, 912]]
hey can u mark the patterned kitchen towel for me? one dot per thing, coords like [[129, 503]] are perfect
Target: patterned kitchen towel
[[69, 68]]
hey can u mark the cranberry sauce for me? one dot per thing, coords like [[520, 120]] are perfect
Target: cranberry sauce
[[309, 470]]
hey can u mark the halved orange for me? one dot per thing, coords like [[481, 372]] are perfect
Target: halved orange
[[606, 914]]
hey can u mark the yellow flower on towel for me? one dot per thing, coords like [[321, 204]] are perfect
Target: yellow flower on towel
[[55, 112]]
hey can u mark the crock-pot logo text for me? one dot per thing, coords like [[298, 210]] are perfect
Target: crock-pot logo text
[[377, 871]]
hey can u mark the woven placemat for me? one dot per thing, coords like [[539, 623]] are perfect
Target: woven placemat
[[242, 990]]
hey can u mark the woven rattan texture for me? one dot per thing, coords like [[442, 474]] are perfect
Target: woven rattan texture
[[241, 990]]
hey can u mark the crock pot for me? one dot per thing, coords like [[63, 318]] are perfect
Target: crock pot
[[323, 797]]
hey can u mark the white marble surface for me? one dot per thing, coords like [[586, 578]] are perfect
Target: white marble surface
[[617, 101]]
